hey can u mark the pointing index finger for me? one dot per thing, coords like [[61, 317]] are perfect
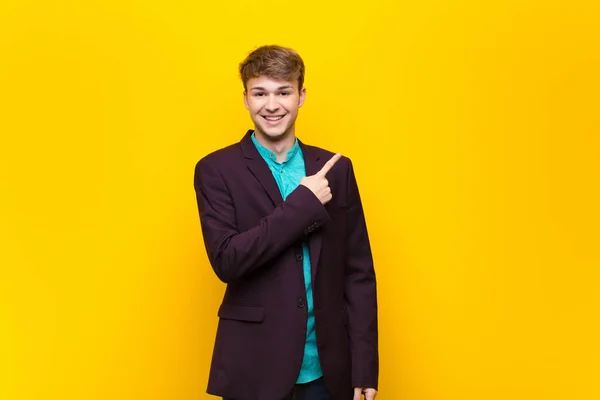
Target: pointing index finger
[[329, 164]]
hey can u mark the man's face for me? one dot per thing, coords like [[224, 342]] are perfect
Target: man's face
[[273, 105]]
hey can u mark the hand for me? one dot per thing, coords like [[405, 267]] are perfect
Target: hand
[[318, 184], [369, 393]]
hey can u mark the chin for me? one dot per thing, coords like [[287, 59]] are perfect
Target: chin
[[274, 135]]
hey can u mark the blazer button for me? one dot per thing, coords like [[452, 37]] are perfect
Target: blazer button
[[299, 257], [301, 303]]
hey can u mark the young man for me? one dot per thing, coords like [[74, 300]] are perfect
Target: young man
[[283, 227]]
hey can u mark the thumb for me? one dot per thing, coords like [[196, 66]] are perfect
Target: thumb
[[357, 393]]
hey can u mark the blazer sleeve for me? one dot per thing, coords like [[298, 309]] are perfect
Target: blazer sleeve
[[234, 254], [361, 294]]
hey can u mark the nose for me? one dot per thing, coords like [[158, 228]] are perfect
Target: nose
[[271, 105]]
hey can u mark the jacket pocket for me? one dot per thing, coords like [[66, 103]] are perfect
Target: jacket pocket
[[336, 208], [241, 313]]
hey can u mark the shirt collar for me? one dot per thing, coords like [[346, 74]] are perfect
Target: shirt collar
[[269, 155]]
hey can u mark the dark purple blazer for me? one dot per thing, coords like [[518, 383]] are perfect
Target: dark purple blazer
[[253, 240]]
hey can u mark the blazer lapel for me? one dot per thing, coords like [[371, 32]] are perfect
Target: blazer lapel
[[260, 169], [262, 173], [315, 241]]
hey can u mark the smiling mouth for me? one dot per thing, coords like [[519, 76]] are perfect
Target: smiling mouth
[[273, 118]]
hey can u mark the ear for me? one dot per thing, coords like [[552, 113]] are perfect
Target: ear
[[246, 101], [302, 97]]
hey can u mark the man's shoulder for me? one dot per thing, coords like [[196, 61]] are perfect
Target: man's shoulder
[[325, 154], [222, 156]]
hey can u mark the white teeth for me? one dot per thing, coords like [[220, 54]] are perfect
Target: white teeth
[[274, 118]]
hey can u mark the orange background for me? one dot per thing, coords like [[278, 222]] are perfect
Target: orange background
[[474, 130]]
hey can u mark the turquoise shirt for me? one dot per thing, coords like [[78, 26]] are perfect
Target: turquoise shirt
[[288, 175]]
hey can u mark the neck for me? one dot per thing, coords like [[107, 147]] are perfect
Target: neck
[[280, 146]]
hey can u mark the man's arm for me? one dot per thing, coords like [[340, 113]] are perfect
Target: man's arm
[[235, 254], [361, 294]]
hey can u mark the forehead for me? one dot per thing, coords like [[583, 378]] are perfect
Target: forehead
[[268, 83]]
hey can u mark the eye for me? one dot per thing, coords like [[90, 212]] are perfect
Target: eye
[[285, 93], [258, 94]]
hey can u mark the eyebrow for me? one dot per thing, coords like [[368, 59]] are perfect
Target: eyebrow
[[279, 88]]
